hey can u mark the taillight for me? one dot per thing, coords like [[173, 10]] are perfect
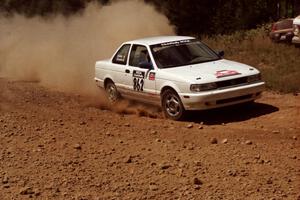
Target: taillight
[[274, 28]]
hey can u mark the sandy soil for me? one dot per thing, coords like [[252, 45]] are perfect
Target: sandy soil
[[55, 145]]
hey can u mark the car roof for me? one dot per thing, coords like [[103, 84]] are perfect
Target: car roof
[[159, 39], [285, 19]]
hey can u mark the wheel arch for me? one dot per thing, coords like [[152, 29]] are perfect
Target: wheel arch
[[165, 88], [170, 86], [107, 80], [163, 98]]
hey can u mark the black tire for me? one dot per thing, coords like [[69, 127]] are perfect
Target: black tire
[[289, 38], [297, 46], [112, 93], [249, 103], [172, 105]]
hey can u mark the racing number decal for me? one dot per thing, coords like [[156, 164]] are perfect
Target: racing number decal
[[138, 80], [138, 84]]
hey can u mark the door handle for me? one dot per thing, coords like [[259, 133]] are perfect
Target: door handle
[[127, 71]]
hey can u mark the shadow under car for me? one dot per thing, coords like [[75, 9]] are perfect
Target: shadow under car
[[235, 113]]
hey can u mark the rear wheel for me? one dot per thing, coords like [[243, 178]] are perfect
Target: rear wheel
[[172, 105], [112, 93]]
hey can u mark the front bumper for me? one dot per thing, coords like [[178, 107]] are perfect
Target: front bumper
[[221, 97]]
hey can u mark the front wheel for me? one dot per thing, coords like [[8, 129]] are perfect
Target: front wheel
[[112, 92], [172, 105]]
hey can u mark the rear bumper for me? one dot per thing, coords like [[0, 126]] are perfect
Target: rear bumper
[[282, 36], [99, 82], [222, 97]]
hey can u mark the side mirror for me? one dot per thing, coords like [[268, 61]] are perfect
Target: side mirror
[[145, 65], [221, 53]]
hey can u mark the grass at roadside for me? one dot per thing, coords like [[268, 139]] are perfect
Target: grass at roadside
[[278, 62]]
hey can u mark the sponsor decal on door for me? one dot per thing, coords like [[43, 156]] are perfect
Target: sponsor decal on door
[[151, 76]]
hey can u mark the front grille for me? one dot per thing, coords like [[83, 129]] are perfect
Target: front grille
[[232, 82], [222, 101]]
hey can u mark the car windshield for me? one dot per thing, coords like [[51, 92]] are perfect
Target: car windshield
[[184, 52]]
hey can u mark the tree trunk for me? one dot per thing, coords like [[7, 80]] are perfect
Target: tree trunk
[[297, 8]]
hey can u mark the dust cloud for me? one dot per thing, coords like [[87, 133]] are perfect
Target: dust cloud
[[60, 52]]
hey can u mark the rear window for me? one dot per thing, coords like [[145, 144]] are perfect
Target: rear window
[[285, 24]]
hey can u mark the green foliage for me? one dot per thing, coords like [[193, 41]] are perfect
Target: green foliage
[[188, 16], [222, 16]]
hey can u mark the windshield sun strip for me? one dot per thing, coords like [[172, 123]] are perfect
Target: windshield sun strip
[[179, 43]]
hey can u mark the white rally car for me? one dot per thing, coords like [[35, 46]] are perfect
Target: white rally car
[[177, 73]]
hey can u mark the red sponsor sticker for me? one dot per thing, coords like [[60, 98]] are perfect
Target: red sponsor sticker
[[152, 76], [224, 73]]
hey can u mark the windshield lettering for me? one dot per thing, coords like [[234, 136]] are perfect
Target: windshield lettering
[[182, 52]]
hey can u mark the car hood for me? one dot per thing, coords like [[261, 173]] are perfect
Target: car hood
[[208, 72]]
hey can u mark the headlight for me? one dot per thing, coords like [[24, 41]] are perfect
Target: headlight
[[254, 78], [203, 87]]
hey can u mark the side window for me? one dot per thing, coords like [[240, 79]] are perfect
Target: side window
[[122, 54], [139, 54]]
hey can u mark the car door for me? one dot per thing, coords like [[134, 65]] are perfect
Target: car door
[[118, 69], [140, 73]]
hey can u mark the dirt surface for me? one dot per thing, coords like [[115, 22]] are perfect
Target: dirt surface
[[55, 145]]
